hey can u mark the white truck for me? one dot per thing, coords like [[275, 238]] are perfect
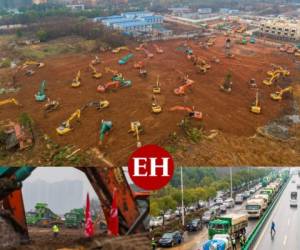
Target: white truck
[[254, 208], [265, 197], [294, 199]]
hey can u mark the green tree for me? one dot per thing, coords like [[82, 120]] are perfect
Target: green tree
[[42, 35]]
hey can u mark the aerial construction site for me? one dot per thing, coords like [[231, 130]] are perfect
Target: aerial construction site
[[216, 100]]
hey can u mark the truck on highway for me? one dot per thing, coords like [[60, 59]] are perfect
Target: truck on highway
[[232, 224], [265, 198], [294, 199], [219, 242], [268, 192], [255, 208]]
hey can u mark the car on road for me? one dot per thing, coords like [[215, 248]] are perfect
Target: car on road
[[194, 225], [229, 203], [298, 186], [170, 239], [246, 195], [223, 209], [208, 215], [202, 204], [252, 190], [293, 181], [294, 199], [219, 201], [156, 221], [169, 215], [239, 199]]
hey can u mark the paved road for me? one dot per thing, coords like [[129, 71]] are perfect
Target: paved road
[[287, 222]]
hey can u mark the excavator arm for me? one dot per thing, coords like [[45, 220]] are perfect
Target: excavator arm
[[10, 100]]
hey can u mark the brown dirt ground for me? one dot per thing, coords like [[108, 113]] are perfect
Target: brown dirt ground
[[229, 113]]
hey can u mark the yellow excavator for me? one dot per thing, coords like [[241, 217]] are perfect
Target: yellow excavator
[[8, 101], [117, 50], [136, 129], [156, 108], [76, 81], [65, 127], [156, 88], [278, 95], [255, 107], [274, 77], [96, 75], [37, 64]]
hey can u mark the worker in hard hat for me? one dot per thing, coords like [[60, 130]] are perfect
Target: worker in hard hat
[[55, 230]]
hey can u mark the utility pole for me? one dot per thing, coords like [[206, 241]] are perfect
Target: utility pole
[[182, 203], [230, 170]]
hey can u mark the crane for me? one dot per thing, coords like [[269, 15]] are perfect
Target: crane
[[40, 96], [255, 107], [278, 95], [133, 207], [8, 101], [96, 74], [76, 81], [65, 127]]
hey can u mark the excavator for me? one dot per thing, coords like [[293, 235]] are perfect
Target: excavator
[[255, 107], [40, 96], [158, 49], [136, 129], [156, 108], [148, 53], [141, 46], [96, 60], [8, 101], [99, 105], [252, 83], [278, 70], [274, 77], [279, 95], [76, 81], [51, 106], [109, 70], [197, 115], [133, 207], [141, 67], [105, 127], [117, 50], [156, 88], [96, 75], [29, 63], [110, 85], [125, 59], [65, 127], [227, 85], [181, 90]]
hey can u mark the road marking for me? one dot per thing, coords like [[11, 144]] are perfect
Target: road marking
[[284, 240], [288, 221]]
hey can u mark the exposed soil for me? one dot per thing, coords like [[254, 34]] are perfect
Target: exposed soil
[[228, 113]]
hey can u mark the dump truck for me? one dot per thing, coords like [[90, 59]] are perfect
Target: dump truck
[[219, 242], [74, 218], [232, 224], [255, 208], [42, 216]]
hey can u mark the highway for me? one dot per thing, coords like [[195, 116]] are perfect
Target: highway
[[287, 221]]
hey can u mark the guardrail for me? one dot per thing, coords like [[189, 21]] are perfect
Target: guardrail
[[258, 228]]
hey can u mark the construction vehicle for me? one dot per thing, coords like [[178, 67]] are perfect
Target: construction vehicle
[[117, 50], [96, 61], [275, 76], [156, 88], [252, 39], [65, 127], [218, 242], [51, 105], [125, 59], [148, 53], [123, 83], [136, 129], [252, 83], [42, 216], [278, 95], [8, 101], [40, 96], [141, 46], [181, 90], [29, 72], [143, 73], [255, 107], [156, 108], [76, 81], [109, 70], [227, 85], [107, 86], [158, 49], [29, 63], [244, 40], [105, 127], [191, 111], [232, 224], [133, 207], [210, 42], [75, 218], [139, 65], [96, 75]]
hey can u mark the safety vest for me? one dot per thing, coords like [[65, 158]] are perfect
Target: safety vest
[[153, 243], [55, 229], [233, 241]]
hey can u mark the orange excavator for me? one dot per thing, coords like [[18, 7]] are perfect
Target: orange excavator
[[148, 53], [133, 207], [181, 90], [158, 49], [191, 111], [109, 85]]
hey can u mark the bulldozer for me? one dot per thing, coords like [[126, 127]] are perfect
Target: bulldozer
[[132, 205], [65, 127], [8, 101], [197, 115], [156, 108], [76, 81], [227, 85], [255, 106], [40, 96], [96, 75], [278, 95], [136, 129], [156, 88]]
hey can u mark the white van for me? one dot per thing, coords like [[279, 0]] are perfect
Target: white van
[[254, 208], [294, 199]]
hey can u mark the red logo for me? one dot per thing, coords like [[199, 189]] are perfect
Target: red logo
[[151, 167]]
